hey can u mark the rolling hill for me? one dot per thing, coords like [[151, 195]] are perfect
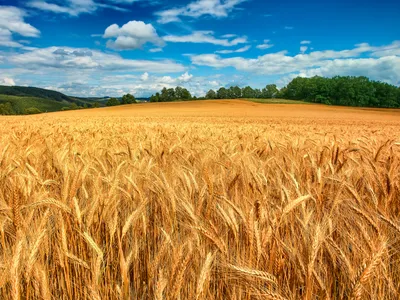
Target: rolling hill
[[22, 98], [34, 92]]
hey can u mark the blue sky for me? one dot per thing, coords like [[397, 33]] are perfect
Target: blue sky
[[112, 47]]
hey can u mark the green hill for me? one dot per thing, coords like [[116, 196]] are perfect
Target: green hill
[[22, 99], [21, 103], [34, 92]]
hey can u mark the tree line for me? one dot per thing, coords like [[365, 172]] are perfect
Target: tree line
[[168, 95], [235, 92], [126, 99], [338, 90]]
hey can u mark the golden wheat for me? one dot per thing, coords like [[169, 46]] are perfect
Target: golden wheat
[[200, 205]]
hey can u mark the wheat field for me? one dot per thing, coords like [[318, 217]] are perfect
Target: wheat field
[[206, 200]]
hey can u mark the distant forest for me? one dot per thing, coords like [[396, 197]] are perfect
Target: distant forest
[[339, 90]]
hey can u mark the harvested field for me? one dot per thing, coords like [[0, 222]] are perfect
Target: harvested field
[[201, 200]]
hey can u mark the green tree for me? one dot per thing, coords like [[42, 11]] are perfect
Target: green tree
[[182, 94], [235, 92], [96, 105], [164, 95], [178, 92], [222, 93], [186, 95], [211, 94], [128, 99], [282, 93], [74, 106], [257, 93], [171, 95], [6, 109], [270, 91], [248, 92], [155, 98], [343, 90], [113, 102]]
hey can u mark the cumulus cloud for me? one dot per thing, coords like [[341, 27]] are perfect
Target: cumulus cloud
[[325, 63], [213, 8], [265, 45], [132, 35], [305, 42], [203, 37], [7, 81], [86, 59], [12, 23], [185, 77], [240, 50]]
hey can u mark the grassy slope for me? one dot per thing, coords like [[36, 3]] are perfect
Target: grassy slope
[[46, 100], [34, 92], [21, 103]]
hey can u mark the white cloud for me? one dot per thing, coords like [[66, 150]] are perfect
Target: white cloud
[[229, 36], [265, 45], [85, 59], [116, 85], [145, 76], [213, 8], [385, 69], [12, 18], [155, 50], [6, 39], [326, 63], [132, 35], [185, 77], [305, 42], [73, 7], [303, 49], [387, 50], [11, 23], [288, 27], [201, 37], [7, 81], [240, 50]]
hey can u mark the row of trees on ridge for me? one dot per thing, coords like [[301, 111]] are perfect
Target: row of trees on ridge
[[168, 95], [339, 90]]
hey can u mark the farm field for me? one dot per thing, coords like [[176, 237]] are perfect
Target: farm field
[[201, 200]]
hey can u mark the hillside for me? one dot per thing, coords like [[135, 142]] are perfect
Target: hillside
[[34, 92], [22, 98], [21, 103]]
